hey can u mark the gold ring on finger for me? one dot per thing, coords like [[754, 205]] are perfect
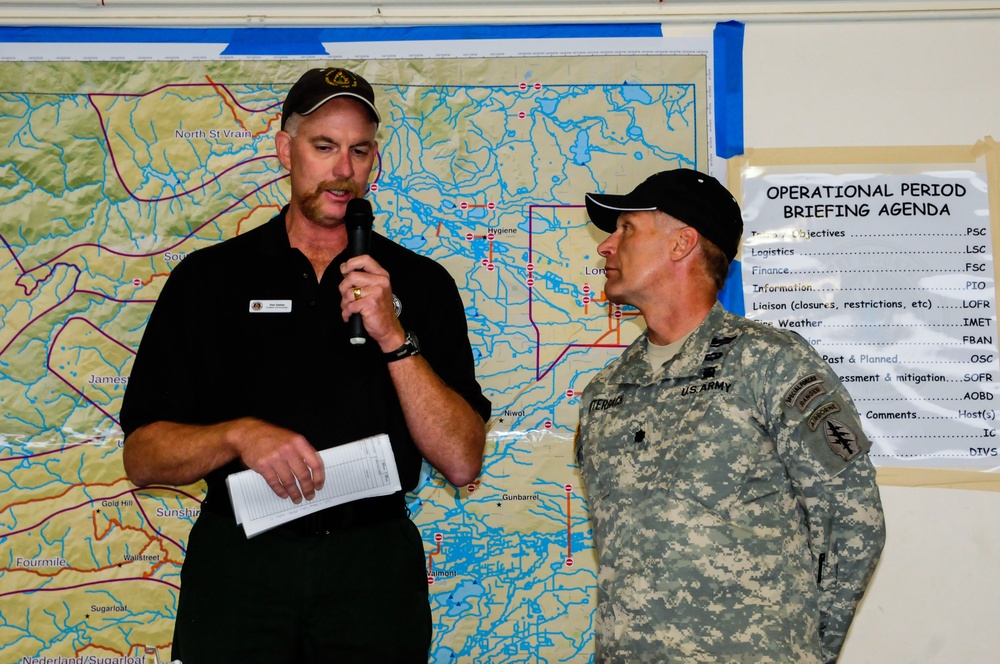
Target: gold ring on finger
[[357, 293]]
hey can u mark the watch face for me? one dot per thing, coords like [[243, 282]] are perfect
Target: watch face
[[411, 340], [397, 306]]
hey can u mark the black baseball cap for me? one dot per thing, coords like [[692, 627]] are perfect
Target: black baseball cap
[[318, 86], [698, 200]]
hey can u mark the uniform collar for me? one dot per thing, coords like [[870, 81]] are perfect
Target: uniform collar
[[715, 332]]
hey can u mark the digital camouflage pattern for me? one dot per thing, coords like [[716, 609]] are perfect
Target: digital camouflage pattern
[[733, 504]]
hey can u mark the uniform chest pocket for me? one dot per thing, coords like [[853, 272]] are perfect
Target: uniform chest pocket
[[641, 459], [732, 461]]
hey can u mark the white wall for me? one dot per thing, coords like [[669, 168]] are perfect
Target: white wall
[[935, 591], [898, 83]]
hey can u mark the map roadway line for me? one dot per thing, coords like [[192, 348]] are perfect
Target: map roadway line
[[48, 264], [218, 87], [73, 292], [166, 86], [112, 522], [114, 161], [539, 374], [31, 591], [570, 347], [215, 86], [65, 448], [115, 252], [12, 254], [131, 492], [430, 559], [569, 526], [48, 361], [186, 192]]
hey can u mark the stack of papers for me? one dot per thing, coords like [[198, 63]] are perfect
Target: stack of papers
[[361, 469]]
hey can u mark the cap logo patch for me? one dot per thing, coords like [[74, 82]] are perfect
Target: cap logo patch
[[841, 439], [341, 79]]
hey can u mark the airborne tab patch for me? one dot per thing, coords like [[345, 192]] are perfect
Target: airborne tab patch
[[829, 408]]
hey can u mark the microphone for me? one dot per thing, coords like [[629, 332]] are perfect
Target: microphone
[[359, 220]]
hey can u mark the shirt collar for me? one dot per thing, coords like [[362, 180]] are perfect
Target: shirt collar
[[273, 237], [712, 334]]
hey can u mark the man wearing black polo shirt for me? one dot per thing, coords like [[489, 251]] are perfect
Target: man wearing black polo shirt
[[220, 385]]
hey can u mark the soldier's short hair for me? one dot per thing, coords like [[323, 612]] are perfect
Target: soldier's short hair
[[716, 263]]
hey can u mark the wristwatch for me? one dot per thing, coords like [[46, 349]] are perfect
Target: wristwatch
[[409, 347]]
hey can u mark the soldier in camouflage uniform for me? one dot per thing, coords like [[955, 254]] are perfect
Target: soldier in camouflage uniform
[[733, 503]]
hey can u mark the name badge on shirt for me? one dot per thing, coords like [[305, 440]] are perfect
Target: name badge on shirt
[[270, 306]]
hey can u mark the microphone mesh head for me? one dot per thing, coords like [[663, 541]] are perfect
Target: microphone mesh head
[[359, 213]]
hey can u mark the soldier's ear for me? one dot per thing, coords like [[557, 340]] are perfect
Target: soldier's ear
[[683, 242]]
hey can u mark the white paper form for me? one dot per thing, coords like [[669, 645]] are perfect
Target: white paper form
[[357, 470]]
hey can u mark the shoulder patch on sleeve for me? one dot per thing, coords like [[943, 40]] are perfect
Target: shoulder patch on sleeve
[[804, 391], [841, 439], [824, 410]]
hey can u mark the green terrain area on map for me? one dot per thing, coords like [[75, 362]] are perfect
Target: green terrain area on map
[[111, 173]]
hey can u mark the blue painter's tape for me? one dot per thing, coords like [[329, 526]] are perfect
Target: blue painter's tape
[[278, 42], [308, 41], [731, 296], [728, 48], [61, 34]]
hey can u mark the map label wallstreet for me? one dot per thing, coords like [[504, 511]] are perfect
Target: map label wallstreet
[[114, 172]]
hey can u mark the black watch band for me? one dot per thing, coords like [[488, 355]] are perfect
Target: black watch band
[[409, 347]]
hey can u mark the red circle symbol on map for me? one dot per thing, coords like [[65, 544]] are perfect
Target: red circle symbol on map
[[618, 313], [522, 115], [486, 261], [569, 562], [469, 236], [491, 206], [569, 393], [568, 488], [530, 266], [430, 580], [373, 186], [438, 537], [490, 267], [491, 236], [471, 488], [586, 299], [586, 288], [530, 282], [538, 86], [523, 85], [464, 205], [548, 424], [137, 282]]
